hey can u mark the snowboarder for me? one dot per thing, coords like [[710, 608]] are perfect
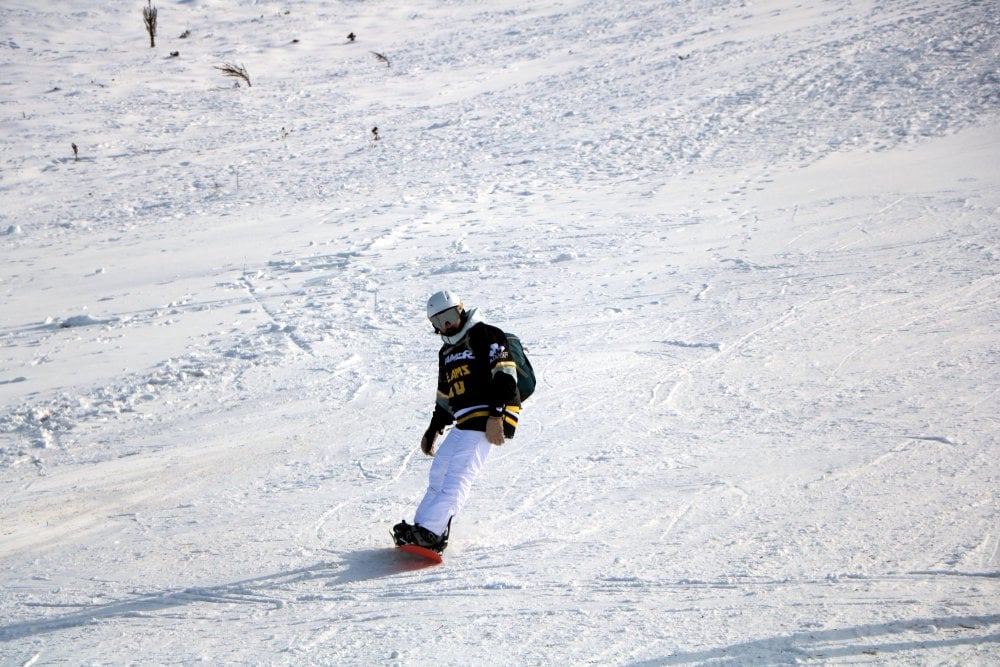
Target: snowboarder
[[477, 392]]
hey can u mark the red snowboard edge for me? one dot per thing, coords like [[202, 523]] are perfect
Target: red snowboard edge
[[421, 551]]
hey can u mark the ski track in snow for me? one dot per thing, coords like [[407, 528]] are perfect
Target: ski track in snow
[[751, 248]]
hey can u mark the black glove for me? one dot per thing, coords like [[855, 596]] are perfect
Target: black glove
[[439, 420], [427, 442]]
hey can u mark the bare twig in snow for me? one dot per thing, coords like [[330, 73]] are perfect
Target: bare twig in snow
[[149, 17], [237, 71]]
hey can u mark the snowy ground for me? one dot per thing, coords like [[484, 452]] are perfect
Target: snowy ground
[[752, 247]]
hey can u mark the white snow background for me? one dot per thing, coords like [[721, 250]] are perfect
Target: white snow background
[[752, 248]]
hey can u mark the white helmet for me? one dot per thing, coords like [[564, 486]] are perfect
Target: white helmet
[[442, 301], [446, 313]]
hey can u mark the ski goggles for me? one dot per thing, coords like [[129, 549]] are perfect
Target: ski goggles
[[447, 318]]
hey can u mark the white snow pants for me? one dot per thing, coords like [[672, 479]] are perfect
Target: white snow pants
[[456, 464]]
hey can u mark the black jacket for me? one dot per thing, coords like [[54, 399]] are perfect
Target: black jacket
[[477, 379]]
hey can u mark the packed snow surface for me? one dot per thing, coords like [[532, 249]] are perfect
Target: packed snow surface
[[752, 248]]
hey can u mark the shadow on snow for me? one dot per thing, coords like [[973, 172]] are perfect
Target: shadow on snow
[[258, 591], [863, 640]]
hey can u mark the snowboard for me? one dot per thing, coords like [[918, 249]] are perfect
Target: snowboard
[[421, 552]]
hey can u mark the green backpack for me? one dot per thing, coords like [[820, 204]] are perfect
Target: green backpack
[[525, 373]]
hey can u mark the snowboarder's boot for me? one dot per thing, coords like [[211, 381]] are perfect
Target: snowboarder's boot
[[425, 538], [404, 533]]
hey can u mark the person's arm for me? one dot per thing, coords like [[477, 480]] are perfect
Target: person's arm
[[442, 416], [503, 384]]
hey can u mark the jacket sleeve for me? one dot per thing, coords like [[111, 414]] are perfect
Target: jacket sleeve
[[441, 418], [442, 411], [503, 372]]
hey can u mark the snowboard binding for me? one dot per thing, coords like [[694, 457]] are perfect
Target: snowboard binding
[[416, 535]]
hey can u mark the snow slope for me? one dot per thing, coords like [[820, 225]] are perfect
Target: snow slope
[[752, 248]]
